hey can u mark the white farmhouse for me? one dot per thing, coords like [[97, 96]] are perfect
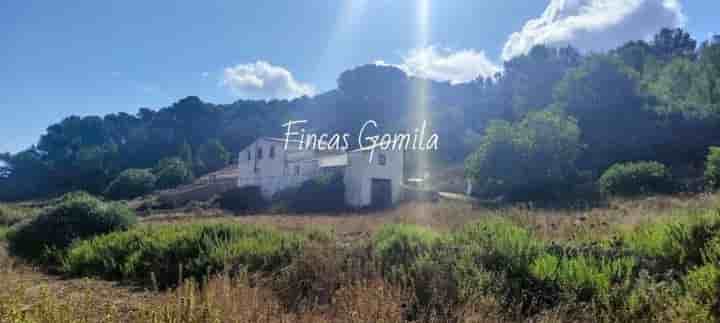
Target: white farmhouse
[[378, 182]]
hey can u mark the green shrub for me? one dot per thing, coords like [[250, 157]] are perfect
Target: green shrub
[[711, 252], [500, 245], [508, 251], [211, 156], [636, 178], [533, 159], [325, 193], [446, 278], [585, 278], [703, 284], [243, 199], [171, 173], [680, 244], [77, 217], [659, 301], [3, 232], [399, 245], [130, 184], [712, 168], [173, 252]]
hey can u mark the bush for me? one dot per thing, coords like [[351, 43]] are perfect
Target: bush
[[712, 168], [130, 184], [399, 245], [80, 216], [243, 199], [636, 178], [211, 156], [446, 279], [679, 245], [703, 284], [171, 173], [585, 278], [174, 252], [531, 160], [325, 193], [500, 245], [11, 215]]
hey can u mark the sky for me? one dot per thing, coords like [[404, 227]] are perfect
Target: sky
[[87, 57]]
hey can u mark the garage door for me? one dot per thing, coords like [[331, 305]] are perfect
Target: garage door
[[381, 193]]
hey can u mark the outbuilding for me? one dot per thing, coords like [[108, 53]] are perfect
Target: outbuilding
[[372, 178]]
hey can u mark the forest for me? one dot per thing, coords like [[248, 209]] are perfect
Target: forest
[[553, 119]]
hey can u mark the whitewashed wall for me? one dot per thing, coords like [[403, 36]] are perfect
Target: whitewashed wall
[[278, 173], [273, 174], [360, 172]]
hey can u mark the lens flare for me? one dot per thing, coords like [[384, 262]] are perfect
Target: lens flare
[[420, 93]]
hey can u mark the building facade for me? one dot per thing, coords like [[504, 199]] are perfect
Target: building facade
[[375, 182]]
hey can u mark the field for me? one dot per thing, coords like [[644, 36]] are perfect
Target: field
[[395, 266]]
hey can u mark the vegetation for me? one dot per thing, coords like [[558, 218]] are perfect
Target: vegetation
[[131, 184], [211, 156], [646, 100], [533, 159], [10, 215], [171, 252], [712, 168], [503, 268], [324, 193], [77, 216], [242, 200], [636, 178], [552, 121], [171, 173]]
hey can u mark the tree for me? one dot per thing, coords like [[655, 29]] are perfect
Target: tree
[[211, 157], [529, 79], [130, 184], [532, 159], [603, 94], [672, 43], [172, 172], [636, 54], [186, 154]]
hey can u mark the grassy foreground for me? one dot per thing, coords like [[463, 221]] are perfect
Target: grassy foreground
[[652, 260]]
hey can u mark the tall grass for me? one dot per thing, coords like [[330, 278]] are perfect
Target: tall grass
[[167, 253], [676, 244], [491, 270]]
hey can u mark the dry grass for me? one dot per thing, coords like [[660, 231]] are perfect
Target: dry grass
[[549, 224], [330, 291]]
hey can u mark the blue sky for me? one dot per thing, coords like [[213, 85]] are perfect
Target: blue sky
[[85, 57]]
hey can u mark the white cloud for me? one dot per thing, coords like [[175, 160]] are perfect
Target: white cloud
[[594, 25], [446, 65], [262, 80]]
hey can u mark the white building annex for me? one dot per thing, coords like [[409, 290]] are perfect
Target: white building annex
[[267, 164]]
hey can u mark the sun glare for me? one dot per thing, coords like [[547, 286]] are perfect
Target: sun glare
[[420, 93]]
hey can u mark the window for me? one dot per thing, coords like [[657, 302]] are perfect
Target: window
[[259, 153], [249, 155], [272, 152], [382, 160], [297, 170]]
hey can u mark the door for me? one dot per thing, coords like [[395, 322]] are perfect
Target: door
[[381, 193]]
